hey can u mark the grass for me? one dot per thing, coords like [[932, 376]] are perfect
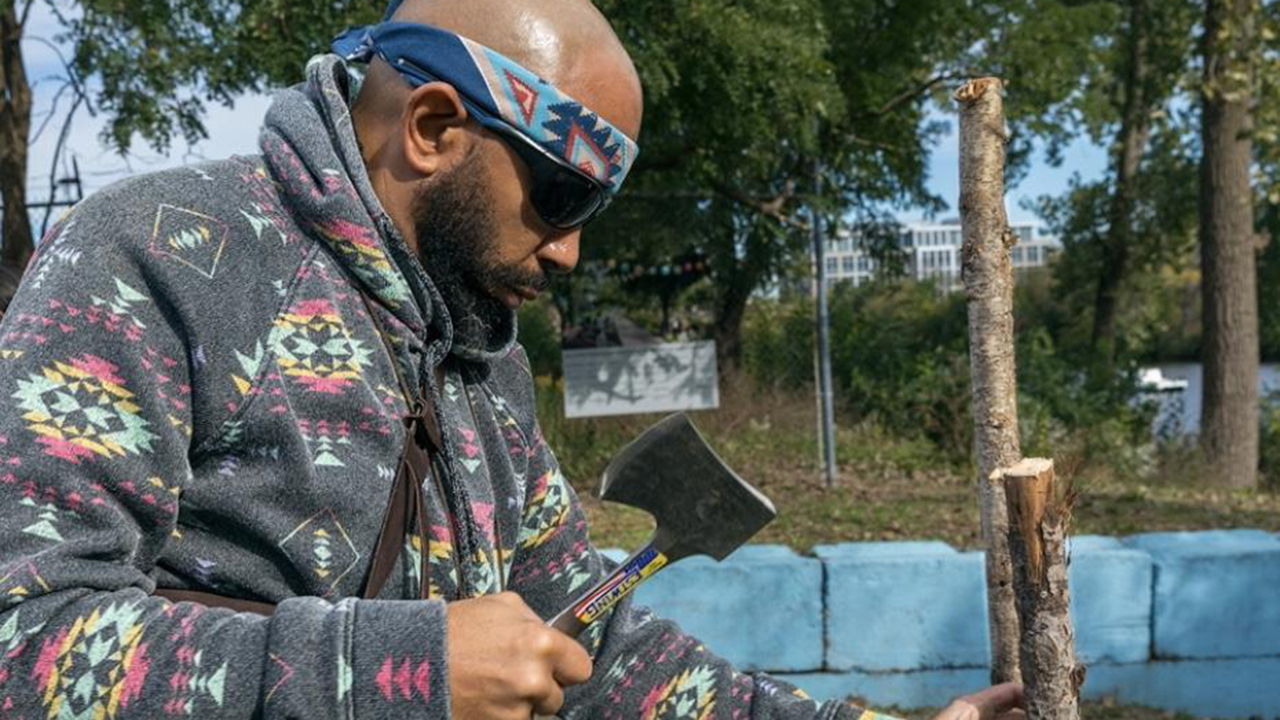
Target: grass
[[888, 488]]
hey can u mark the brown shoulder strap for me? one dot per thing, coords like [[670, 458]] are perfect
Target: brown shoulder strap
[[421, 439], [212, 600], [405, 505]]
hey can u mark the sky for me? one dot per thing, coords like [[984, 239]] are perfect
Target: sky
[[235, 131]]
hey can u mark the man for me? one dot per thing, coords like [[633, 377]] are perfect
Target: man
[[219, 375]]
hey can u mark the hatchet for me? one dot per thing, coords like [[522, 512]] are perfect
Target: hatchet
[[701, 507]]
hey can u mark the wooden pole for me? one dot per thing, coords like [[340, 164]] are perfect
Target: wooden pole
[[988, 278], [1039, 519]]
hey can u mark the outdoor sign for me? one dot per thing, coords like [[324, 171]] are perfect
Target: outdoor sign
[[632, 379]]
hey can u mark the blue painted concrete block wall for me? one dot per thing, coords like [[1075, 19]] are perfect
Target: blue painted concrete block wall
[[906, 606], [1186, 621], [761, 608], [1217, 594], [1110, 600]]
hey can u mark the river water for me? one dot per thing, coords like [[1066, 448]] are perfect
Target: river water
[[1180, 411]]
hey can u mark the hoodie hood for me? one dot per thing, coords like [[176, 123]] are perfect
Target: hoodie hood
[[309, 143]]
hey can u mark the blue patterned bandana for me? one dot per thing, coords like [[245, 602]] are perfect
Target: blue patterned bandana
[[493, 85]]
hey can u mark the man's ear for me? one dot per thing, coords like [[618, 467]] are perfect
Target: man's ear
[[433, 128]]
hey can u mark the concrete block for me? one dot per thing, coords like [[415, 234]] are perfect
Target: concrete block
[[1110, 600], [1241, 688], [923, 608], [877, 691], [1214, 593], [1203, 540], [761, 608]]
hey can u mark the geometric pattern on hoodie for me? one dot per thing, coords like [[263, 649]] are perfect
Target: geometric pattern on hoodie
[[201, 400]]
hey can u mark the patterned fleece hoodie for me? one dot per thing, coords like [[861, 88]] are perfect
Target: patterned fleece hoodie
[[200, 399]]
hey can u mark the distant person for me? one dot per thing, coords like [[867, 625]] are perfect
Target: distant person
[[227, 381]]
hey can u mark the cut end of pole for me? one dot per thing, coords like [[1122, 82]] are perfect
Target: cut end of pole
[[1027, 468], [1029, 493], [975, 89]]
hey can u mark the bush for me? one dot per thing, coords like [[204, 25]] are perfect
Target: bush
[[1269, 442], [900, 359], [778, 341], [539, 333], [900, 362]]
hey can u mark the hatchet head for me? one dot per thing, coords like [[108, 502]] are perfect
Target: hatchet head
[[701, 506]]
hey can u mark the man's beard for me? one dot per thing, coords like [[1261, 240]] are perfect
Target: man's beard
[[458, 246]]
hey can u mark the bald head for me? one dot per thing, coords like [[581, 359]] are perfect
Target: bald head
[[567, 42]]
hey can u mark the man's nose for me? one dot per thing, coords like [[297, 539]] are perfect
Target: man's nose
[[559, 254]]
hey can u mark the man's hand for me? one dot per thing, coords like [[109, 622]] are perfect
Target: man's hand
[[505, 663], [999, 702]]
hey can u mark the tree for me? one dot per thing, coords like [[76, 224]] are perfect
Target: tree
[[733, 96], [15, 125], [1136, 219], [1148, 67], [741, 97], [154, 64], [1228, 243]]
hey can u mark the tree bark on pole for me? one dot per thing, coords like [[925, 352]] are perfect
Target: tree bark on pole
[[988, 279], [1039, 519]]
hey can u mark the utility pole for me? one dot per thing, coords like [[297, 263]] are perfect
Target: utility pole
[[827, 423]]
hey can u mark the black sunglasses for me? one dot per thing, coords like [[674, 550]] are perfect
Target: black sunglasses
[[564, 196]]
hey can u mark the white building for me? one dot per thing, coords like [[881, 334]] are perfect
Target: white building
[[932, 251]]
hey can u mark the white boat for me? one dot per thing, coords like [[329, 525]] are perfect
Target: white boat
[[1153, 380]]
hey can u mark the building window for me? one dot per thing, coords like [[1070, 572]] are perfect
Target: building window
[[831, 266], [846, 264]]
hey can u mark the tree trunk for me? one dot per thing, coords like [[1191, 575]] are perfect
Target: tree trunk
[[1229, 415], [730, 311], [988, 279], [1135, 128], [1039, 519], [666, 296], [15, 127]]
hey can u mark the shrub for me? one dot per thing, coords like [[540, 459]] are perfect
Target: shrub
[[1269, 442], [778, 341], [900, 361], [539, 333]]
